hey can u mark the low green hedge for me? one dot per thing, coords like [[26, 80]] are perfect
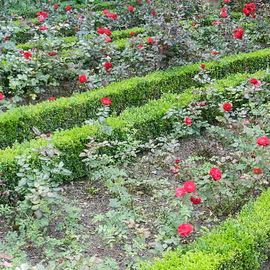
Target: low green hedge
[[30, 12], [146, 119], [240, 243], [64, 113], [120, 38], [104, 5], [120, 34]]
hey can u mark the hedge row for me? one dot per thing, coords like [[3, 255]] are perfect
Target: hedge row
[[31, 12], [64, 113], [119, 35], [146, 119], [240, 243]]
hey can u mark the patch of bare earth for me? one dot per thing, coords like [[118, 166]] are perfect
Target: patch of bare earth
[[91, 205]]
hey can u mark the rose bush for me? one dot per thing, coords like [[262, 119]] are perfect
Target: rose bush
[[64, 34]]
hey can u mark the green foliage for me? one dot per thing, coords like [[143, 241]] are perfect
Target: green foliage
[[238, 180], [146, 119], [65, 113], [120, 39], [120, 34], [40, 218], [29, 8], [238, 243]]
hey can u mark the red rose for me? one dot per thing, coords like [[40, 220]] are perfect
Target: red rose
[[246, 11], [131, 8], [257, 171], [238, 33], [43, 28], [100, 30], [227, 1], [195, 200], [189, 186], [188, 121], [132, 34], [41, 19], [263, 141], [180, 192], [255, 82], [82, 78], [105, 31], [113, 16], [251, 6], [52, 98], [43, 14], [2, 96], [150, 40], [106, 101], [108, 66], [105, 11], [215, 173], [52, 53], [203, 66], [223, 12], [55, 6], [214, 52], [178, 160], [227, 106], [27, 55], [140, 47], [249, 9], [185, 229], [68, 8]]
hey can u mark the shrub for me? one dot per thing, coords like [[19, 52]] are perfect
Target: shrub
[[146, 119], [17, 124]]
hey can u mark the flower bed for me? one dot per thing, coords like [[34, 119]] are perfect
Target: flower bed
[[147, 119], [64, 113], [239, 243], [52, 71], [162, 163], [131, 205]]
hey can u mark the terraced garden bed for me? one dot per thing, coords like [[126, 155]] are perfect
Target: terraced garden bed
[[152, 152]]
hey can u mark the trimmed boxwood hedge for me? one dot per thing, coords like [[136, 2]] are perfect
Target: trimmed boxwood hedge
[[120, 38], [240, 243], [64, 113], [31, 11], [146, 119]]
